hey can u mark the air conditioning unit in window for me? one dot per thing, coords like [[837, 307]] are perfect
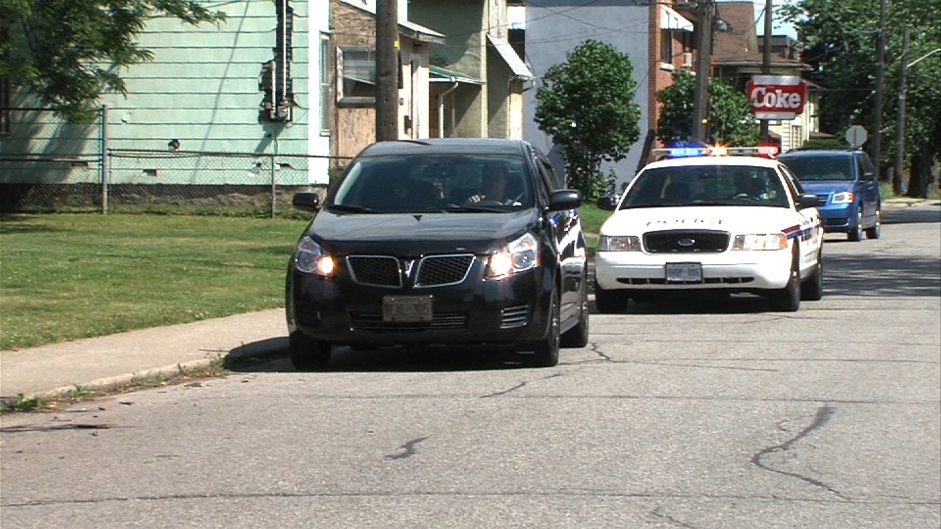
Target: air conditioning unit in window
[[687, 60]]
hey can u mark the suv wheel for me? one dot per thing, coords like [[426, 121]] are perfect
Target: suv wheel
[[856, 234], [308, 354], [876, 230]]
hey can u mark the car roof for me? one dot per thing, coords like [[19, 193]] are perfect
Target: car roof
[[711, 161], [495, 146]]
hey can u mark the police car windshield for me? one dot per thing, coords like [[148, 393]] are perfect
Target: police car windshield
[[716, 185]]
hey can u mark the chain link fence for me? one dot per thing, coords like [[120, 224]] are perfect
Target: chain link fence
[[49, 165]]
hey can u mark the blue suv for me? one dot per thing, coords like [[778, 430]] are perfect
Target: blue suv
[[848, 195]]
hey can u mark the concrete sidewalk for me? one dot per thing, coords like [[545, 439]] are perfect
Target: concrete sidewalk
[[112, 361]]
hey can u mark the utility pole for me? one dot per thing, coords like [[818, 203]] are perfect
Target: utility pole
[[880, 89], [387, 74], [703, 71], [900, 133], [763, 125]]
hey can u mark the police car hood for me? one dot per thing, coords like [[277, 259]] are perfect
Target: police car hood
[[419, 233], [732, 219]]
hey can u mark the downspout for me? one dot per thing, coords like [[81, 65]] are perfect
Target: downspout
[[441, 107]]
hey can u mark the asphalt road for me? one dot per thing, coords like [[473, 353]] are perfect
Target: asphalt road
[[693, 415]]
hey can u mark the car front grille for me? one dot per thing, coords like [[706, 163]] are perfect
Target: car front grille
[[686, 241], [822, 200], [393, 272], [435, 271]]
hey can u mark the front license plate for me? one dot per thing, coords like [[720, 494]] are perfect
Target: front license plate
[[406, 308], [684, 272]]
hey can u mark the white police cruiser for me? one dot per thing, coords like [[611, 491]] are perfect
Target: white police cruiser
[[711, 219]]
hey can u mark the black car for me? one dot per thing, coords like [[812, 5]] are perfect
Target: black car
[[418, 243]]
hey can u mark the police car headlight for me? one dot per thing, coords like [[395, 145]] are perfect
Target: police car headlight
[[846, 197], [625, 243], [517, 256], [310, 258], [770, 241]]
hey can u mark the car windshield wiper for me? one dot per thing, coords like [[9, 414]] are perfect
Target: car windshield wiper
[[473, 209], [349, 208]]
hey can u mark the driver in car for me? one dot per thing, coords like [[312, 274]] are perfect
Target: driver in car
[[495, 178]]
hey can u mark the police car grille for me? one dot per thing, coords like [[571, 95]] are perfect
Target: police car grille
[[380, 271], [440, 270], [686, 241]]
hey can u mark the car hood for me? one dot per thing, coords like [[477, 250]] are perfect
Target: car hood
[[733, 219], [418, 233], [826, 188]]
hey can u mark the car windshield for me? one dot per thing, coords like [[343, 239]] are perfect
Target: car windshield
[[820, 168], [706, 185], [429, 183]]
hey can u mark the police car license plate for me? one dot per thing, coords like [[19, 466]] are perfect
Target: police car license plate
[[406, 308], [684, 272]]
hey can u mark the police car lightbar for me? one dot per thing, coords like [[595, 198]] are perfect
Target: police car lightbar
[[687, 152]]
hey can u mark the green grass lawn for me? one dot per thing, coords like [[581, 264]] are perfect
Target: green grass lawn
[[70, 276]]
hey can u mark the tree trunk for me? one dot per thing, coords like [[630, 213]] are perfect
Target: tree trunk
[[921, 176]]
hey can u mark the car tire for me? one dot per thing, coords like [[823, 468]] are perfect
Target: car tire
[[812, 288], [876, 230], [610, 301], [577, 336], [546, 351], [856, 234], [308, 354], [788, 299]]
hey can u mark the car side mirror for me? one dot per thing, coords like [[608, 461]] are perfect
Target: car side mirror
[[608, 203], [806, 201], [306, 201], [564, 199]]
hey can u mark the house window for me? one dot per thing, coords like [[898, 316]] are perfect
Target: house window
[[356, 69], [326, 82], [666, 46]]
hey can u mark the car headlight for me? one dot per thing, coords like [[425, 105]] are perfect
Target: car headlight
[[310, 258], [611, 243], [770, 241], [846, 197], [517, 256]]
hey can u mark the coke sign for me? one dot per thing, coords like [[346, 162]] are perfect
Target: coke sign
[[777, 96]]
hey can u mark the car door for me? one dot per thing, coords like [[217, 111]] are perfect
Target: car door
[[564, 226], [811, 225], [868, 189]]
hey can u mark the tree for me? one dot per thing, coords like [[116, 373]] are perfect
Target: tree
[[840, 38], [731, 121], [587, 105], [68, 52]]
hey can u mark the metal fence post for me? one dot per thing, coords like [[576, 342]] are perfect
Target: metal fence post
[[274, 186], [104, 161]]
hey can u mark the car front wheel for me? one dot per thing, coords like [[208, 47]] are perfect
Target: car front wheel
[[577, 336], [788, 299], [856, 234], [546, 351]]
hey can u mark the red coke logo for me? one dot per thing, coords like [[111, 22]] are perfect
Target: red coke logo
[[777, 97]]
